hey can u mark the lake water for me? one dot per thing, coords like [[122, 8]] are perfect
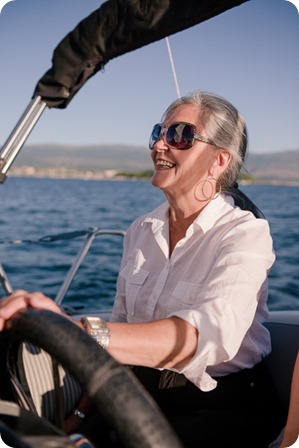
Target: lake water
[[32, 208]]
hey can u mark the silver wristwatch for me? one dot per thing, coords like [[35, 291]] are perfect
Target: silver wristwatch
[[98, 330]]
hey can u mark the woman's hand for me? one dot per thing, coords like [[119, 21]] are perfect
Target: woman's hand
[[21, 300]]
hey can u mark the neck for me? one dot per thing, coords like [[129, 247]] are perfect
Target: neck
[[180, 219], [183, 209]]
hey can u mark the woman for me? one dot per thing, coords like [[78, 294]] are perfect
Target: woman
[[192, 288]]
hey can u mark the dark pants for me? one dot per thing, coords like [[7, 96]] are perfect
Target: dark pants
[[243, 411]]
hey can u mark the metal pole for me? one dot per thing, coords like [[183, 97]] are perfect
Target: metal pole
[[5, 282], [19, 135], [79, 259]]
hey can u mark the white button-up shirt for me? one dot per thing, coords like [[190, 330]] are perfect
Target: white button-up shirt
[[215, 279]]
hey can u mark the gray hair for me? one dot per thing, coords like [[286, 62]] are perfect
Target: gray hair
[[226, 127]]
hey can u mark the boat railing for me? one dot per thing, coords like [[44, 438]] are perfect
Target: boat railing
[[90, 235]]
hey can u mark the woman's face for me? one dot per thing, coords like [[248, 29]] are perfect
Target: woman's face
[[179, 171]]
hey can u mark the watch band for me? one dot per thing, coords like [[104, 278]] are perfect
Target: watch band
[[98, 330]]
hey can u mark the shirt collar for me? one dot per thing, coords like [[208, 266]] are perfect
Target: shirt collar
[[215, 209], [158, 216], [206, 219]]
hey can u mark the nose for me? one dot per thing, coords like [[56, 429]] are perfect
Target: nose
[[161, 144]]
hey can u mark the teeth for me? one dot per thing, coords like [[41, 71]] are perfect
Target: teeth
[[165, 163]]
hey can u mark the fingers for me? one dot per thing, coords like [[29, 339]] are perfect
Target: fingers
[[22, 300], [9, 306]]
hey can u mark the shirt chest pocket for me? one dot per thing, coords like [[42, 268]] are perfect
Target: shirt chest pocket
[[134, 281], [183, 296]]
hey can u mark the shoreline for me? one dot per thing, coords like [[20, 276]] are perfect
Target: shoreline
[[114, 174]]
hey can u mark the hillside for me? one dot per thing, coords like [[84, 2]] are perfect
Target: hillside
[[89, 157], [275, 166], [279, 166]]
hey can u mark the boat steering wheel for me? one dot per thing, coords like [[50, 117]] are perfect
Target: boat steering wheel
[[114, 389]]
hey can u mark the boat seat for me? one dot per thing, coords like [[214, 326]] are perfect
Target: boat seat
[[284, 330], [31, 372]]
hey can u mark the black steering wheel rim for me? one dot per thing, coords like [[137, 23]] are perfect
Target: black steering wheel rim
[[115, 390]]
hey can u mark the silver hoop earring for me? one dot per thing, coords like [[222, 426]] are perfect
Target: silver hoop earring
[[218, 188], [204, 184]]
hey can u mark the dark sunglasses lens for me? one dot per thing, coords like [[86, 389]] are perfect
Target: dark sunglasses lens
[[180, 135], [155, 135]]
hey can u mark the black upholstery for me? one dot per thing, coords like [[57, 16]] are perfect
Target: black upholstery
[[285, 346]]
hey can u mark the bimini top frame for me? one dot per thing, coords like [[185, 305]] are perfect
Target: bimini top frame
[[20, 133]]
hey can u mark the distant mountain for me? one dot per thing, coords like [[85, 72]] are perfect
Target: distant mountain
[[282, 165], [278, 166], [88, 157]]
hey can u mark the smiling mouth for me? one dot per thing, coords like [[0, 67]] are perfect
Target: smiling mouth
[[164, 163]]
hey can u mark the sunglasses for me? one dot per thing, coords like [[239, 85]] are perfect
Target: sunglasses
[[178, 135]]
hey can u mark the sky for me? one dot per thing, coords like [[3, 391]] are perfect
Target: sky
[[249, 55]]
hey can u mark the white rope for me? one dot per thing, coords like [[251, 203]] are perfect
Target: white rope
[[173, 67]]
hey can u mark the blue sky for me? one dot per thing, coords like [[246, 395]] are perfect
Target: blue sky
[[250, 55]]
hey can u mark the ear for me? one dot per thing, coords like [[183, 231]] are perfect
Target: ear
[[222, 160]]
